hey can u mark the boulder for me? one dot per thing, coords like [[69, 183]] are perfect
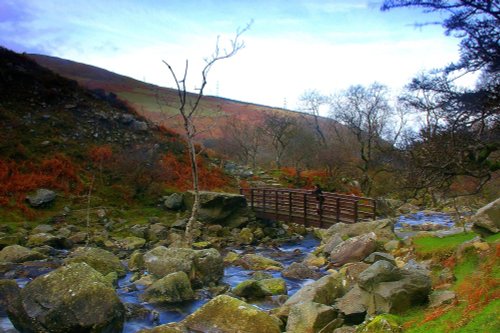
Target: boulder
[[174, 201], [487, 219], [47, 228], [41, 198], [101, 260], [131, 243], [384, 323], [136, 261], [257, 262], [388, 289], [174, 287], [300, 271], [384, 229], [309, 317], [227, 209], [43, 238], [156, 232], [376, 256], [245, 236], [225, 314], [331, 243], [354, 249], [251, 289], [18, 254], [74, 298], [275, 286], [441, 297], [351, 306], [204, 267]]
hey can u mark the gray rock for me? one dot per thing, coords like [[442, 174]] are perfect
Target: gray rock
[[156, 232], [45, 228], [18, 254], [74, 298], [101, 260], [441, 297], [354, 249], [384, 229], [174, 201], [487, 219], [140, 126], [309, 317], [43, 238], [351, 306], [251, 289], [41, 198], [174, 287], [380, 271], [331, 243], [300, 271], [376, 256]]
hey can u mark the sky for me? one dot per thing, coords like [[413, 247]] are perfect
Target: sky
[[292, 45]]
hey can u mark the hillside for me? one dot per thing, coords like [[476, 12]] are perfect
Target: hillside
[[154, 102], [56, 134]]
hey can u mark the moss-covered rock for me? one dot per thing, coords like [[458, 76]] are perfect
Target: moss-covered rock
[[17, 254], [136, 261], [257, 262], [384, 323], [225, 314], [251, 289], [131, 243], [174, 287], [275, 286], [101, 260], [74, 298]]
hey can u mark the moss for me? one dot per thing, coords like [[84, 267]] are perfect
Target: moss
[[385, 323], [426, 246], [493, 238]]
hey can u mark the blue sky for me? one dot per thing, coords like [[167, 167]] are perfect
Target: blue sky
[[292, 46]]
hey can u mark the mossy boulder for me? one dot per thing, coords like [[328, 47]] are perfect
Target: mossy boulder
[[251, 289], [42, 238], [136, 261], [18, 254], [73, 298], [275, 286], [174, 287], [131, 243], [225, 314], [257, 262], [384, 323], [101, 260]]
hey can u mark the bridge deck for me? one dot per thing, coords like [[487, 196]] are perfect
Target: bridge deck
[[301, 206]]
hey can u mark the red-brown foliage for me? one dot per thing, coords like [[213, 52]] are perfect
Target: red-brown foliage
[[177, 174], [19, 178], [101, 154]]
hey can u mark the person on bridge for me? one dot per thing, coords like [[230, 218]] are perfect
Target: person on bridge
[[320, 198]]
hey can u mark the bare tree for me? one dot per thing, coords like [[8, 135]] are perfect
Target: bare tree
[[246, 137], [189, 107], [280, 128], [311, 102]]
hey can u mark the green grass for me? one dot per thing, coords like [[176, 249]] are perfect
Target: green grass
[[427, 245], [493, 238]]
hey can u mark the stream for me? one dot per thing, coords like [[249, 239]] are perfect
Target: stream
[[286, 253]]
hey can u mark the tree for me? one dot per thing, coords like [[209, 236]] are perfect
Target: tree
[[460, 137], [368, 115], [280, 128], [189, 107], [311, 102], [246, 138]]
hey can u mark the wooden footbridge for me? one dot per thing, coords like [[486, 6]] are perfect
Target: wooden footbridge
[[301, 206]]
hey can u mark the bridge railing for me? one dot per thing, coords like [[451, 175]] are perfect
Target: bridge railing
[[301, 206]]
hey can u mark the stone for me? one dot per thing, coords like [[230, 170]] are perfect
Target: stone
[[245, 236], [174, 287], [79, 237], [384, 323], [41, 198], [300, 271], [441, 297], [376, 256], [275, 286], [313, 260], [309, 317], [487, 219], [384, 229], [350, 272], [46, 228], [136, 261], [174, 201], [351, 306], [43, 238], [227, 209], [231, 257], [251, 289], [225, 314], [380, 271], [354, 249], [156, 232], [257, 262], [204, 267], [19, 254], [131, 243], [392, 245], [331, 243], [101, 260], [74, 298]]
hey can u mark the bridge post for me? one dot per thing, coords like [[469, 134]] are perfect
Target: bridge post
[[355, 211], [263, 201], [251, 198], [337, 209], [276, 203], [305, 209], [289, 206]]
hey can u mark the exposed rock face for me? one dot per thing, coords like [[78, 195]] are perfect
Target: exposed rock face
[[101, 260], [384, 229], [226, 209], [41, 198], [309, 317], [17, 254], [202, 266], [75, 298], [174, 201], [174, 287], [225, 314], [487, 219], [389, 289], [354, 249], [300, 271]]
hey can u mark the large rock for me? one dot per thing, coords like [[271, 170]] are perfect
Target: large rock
[[174, 201], [384, 229], [43, 238], [41, 198], [18, 254], [384, 323], [487, 219], [300, 271], [225, 314], [174, 287], [101, 260], [251, 289], [354, 249], [388, 289], [351, 306], [226, 209], [74, 298], [204, 267], [257, 262], [309, 317]]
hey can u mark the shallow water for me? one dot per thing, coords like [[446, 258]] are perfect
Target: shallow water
[[419, 218]]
